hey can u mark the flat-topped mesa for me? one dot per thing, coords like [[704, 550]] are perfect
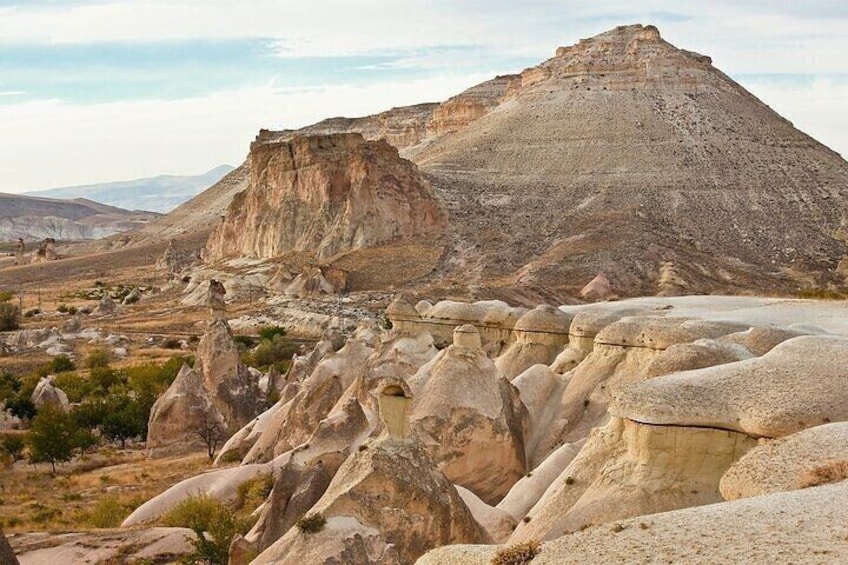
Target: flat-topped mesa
[[325, 194], [623, 58]]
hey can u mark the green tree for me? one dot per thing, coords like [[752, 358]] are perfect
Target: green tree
[[10, 317], [124, 420], [52, 436], [21, 407], [14, 446]]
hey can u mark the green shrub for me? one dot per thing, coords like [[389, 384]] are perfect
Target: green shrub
[[10, 317], [518, 554], [270, 352], [108, 513], [13, 445], [250, 494], [98, 358], [6, 296], [270, 332], [61, 364], [75, 386], [205, 515], [102, 379], [311, 523]]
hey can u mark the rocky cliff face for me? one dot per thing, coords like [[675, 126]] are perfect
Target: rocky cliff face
[[324, 195]]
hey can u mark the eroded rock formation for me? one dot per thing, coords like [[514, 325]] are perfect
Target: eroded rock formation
[[324, 195]]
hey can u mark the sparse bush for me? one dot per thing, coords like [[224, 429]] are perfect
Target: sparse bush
[[6, 296], [250, 494], [13, 445], [98, 358], [385, 322], [270, 332], [311, 523], [60, 364], [232, 456], [244, 342], [108, 513], [10, 317], [271, 351], [206, 515], [171, 343], [518, 554], [569, 481], [65, 309]]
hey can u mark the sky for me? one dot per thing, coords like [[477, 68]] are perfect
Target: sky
[[105, 90]]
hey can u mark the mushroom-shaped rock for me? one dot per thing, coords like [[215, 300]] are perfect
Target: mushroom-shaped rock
[[696, 355], [386, 504], [598, 288], [799, 384], [470, 418], [810, 457], [629, 469], [403, 316], [540, 334], [761, 340], [47, 393]]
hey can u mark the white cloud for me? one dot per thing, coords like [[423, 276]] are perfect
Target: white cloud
[[753, 36], [51, 143]]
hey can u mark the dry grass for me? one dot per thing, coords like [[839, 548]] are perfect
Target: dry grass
[[830, 472], [518, 554], [102, 489]]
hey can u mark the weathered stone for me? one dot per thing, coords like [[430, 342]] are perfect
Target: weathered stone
[[387, 504]]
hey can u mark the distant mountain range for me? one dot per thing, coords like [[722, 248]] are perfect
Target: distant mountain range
[[160, 194], [35, 218]]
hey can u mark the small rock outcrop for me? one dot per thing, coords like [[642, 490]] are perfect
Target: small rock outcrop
[[598, 288], [326, 194], [540, 335], [47, 393]]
